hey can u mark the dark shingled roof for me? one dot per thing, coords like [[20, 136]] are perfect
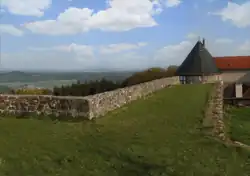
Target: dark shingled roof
[[198, 62]]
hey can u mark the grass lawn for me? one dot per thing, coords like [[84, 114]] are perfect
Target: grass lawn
[[240, 124], [156, 137]]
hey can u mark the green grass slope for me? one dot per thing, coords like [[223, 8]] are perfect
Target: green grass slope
[[159, 136], [240, 124]]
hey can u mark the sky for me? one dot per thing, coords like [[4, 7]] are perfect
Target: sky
[[118, 34]]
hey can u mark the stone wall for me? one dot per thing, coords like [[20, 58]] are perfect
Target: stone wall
[[213, 78], [100, 104], [79, 107], [24, 105], [202, 79], [215, 112]]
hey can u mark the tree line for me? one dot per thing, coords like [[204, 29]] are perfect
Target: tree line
[[103, 85]]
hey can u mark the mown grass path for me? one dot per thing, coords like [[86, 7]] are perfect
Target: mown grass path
[[159, 136]]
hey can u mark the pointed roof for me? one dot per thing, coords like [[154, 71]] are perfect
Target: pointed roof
[[198, 62]]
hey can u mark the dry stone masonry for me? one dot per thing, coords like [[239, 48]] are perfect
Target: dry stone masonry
[[23, 105], [79, 107], [218, 112], [215, 112]]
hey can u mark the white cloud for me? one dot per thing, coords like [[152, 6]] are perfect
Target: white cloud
[[10, 29], [72, 21], [119, 16], [238, 14], [75, 56], [124, 15], [232, 48], [86, 53], [173, 54], [245, 46], [26, 7], [196, 6], [84, 57], [51, 60], [224, 40], [80, 51], [173, 3], [1, 10], [192, 36], [127, 61], [89, 50], [117, 48], [61, 57]]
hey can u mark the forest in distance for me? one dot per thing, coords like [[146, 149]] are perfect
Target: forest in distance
[[77, 84], [19, 76], [92, 84], [17, 79]]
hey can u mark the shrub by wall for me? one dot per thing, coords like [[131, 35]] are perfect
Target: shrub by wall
[[87, 88], [149, 75]]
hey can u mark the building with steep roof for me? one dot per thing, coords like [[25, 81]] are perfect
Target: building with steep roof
[[198, 65]]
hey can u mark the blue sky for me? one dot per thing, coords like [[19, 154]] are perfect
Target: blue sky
[[118, 34]]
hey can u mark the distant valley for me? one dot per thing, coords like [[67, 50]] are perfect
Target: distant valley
[[15, 79]]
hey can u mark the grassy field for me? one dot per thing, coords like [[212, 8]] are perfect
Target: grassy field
[[240, 124], [160, 136]]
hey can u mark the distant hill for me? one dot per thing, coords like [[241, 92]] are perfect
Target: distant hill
[[4, 89], [19, 76]]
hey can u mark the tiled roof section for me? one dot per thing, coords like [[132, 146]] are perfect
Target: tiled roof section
[[233, 62]]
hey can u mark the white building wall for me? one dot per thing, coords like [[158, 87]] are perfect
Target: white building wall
[[236, 76]]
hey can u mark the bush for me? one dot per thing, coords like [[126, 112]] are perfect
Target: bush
[[33, 91], [149, 75], [87, 88]]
